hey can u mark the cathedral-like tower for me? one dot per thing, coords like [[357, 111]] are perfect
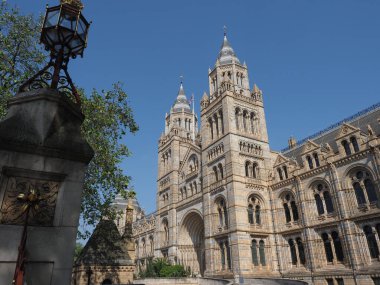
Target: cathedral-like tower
[[235, 163], [178, 155]]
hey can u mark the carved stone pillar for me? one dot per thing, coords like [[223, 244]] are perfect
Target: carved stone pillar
[[41, 148]]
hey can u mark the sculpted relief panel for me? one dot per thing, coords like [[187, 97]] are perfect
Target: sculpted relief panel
[[15, 185]]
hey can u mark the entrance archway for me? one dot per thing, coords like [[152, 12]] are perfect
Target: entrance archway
[[191, 243]]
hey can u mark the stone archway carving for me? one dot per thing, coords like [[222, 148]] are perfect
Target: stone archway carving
[[191, 243]]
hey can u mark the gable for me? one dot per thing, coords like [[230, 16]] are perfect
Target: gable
[[346, 130]]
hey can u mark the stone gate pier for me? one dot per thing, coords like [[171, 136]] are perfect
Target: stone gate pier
[[41, 151]]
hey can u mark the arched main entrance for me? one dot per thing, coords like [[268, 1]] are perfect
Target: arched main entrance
[[191, 243]]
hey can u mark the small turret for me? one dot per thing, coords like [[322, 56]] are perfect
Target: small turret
[[292, 142], [204, 101]]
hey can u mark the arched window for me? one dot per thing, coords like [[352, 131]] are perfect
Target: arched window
[[287, 213], [293, 252], [254, 170], [310, 162], [222, 255], [254, 211], [216, 178], [255, 259], [360, 198], [250, 214], [137, 248], [151, 244], [211, 128], [328, 248], [338, 246], [316, 159], [346, 147], [301, 251], [328, 202], [371, 241], [362, 180], [228, 250], [220, 166], [245, 117], [252, 120], [285, 171], [165, 226], [216, 125], [262, 252], [107, 282], [237, 115], [221, 121], [280, 173], [195, 187], [323, 198], [354, 143], [319, 203], [222, 212], [371, 193], [225, 215], [294, 210], [143, 247], [247, 167], [257, 215]]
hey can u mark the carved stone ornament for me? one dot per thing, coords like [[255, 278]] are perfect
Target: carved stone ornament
[[12, 211]]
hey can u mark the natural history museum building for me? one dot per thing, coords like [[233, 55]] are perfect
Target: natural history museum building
[[228, 205]]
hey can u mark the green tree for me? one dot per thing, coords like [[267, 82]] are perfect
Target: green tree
[[78, 250], [108, 116], [20, 53]]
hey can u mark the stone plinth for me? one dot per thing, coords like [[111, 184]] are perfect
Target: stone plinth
[[41, 147]]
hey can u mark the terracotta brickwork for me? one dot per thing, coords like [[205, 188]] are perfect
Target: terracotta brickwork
[[229, 206]]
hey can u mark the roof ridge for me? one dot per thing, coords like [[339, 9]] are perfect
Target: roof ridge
[[332, 127]]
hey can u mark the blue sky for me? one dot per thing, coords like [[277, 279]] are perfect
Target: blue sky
[[316, 62]]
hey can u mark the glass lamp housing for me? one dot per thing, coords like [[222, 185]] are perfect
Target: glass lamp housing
[[65, 30]]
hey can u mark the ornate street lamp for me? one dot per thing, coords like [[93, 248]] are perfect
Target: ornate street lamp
[[64, 33]]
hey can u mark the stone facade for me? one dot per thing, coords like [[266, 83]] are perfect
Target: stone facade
[[229, 206]]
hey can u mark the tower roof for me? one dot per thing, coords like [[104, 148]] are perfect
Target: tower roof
[[227, 54], [181, 102]]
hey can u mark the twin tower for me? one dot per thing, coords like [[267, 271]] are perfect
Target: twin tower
[[203, 176]]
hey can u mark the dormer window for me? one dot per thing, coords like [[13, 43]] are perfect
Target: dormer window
[[346, 147], [316, 159], [310, 162], [280, 173], [285, 171], [354, 143]]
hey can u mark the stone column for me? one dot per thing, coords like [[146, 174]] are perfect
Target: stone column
[[41, 148]]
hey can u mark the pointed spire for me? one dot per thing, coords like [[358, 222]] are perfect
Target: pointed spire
[[181, 90], [204, 97], [227, 54], [255, 88], [181, 104]]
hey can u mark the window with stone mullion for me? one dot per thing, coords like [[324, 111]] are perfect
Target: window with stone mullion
[[255, 259], [371, 242]]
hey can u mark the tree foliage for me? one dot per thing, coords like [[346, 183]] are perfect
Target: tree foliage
[[20, 53], [108, 116], [160, 267], [78, 250], [108, 119]]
